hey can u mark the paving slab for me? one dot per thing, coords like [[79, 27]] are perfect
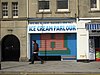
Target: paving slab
[[50, 67]]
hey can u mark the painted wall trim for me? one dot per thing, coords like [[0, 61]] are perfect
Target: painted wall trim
[[88, 18]]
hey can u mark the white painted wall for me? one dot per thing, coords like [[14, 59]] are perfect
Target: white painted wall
[[82, 41]]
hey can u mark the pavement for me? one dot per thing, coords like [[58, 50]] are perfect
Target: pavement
[[50, 68]]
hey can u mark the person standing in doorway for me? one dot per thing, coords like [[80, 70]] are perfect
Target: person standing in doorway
[[35, 53]]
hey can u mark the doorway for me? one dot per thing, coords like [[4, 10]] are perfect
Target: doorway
[[96, 46], [10, 48]]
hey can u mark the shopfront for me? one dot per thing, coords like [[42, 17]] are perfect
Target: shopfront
[[54, 39], [94, 39]]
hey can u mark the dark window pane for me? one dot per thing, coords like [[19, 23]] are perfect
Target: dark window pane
[[5, 9], [43, 4], [15, 8], [62, 4], [93, 3]]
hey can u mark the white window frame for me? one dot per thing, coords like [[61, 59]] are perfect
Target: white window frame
[[98, 5], [44, 10], [63, 10], [15, 16], [5, 9]]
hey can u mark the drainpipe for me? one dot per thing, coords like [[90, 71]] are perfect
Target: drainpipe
[[0, 42], [42, 32], [27, 8], [27, 1], [78, 11]]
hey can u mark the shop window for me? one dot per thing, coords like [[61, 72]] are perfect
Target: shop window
[[15, 9], [62, 5], [97, 42], [94, 4], [43, 5], [5, 9]]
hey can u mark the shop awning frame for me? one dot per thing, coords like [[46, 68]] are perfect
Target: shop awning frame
[[92, 26]]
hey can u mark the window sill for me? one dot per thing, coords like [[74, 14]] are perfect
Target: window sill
[[5, 17], [15, 16], [94, 11]]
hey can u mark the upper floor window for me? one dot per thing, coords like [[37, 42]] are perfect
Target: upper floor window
[[43, 5], [94, 4], [15, 9], [5, 10], [62, 5]]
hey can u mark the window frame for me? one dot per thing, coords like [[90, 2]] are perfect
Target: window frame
[[62, 10], [97, 4], [44, 10], [15, 9], [5, 9]]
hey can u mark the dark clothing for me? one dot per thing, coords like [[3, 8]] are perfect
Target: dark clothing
[[36, 49], [35, 53], [37, 57]]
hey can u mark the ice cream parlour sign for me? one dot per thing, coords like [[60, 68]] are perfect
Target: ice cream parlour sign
[[52, 28]]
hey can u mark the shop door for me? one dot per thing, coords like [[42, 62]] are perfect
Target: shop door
[[34, 37], [97, 47], [10, 48]]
